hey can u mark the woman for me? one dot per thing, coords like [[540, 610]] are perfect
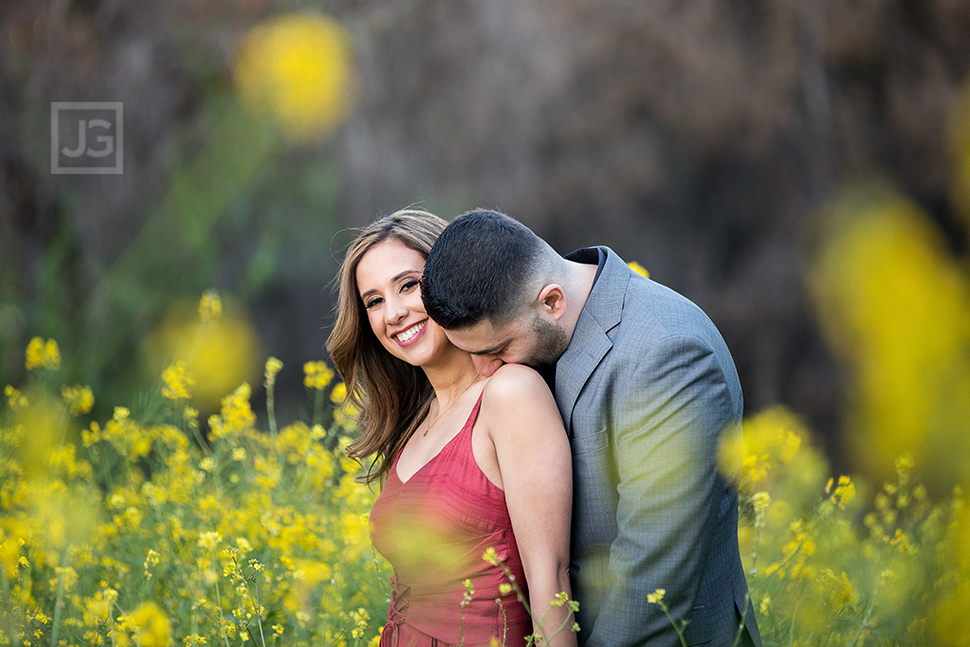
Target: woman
[[468, 463]]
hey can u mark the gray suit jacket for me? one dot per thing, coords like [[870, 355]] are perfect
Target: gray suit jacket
[[647, 390]]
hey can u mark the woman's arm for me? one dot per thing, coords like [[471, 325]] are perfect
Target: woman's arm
[[535, 462]]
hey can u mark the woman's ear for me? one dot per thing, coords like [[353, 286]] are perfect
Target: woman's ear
[[552, 299]]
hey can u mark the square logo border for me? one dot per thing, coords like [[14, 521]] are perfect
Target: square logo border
[[118, 107]]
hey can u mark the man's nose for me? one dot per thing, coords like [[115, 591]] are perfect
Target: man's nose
[[486, 365]]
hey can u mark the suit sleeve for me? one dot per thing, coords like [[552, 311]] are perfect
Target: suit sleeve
[[667, 416]]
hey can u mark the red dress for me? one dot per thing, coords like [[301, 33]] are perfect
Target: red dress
[[433, 529]]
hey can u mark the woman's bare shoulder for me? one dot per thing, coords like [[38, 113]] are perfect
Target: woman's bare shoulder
[[514, 382], [516, 393]]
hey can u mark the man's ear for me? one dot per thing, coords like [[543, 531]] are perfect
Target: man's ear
[[552, 300]]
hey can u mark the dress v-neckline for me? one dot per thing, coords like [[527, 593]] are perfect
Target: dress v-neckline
[[469, 422]]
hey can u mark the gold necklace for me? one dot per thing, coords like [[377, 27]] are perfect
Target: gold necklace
[[442, 414]]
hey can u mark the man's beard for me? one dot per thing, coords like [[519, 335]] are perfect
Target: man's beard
[[551, 343]]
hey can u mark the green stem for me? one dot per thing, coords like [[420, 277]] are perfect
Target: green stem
[[680, 633], [318, 407], [259, 619], [865, 623], [57, 609], [222, 622], [747, 603], [13, 634], [270, 407], [505, 620]]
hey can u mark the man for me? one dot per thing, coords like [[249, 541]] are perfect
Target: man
[[647, 390]]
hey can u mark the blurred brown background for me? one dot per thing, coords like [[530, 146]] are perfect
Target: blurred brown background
[[701, 138]]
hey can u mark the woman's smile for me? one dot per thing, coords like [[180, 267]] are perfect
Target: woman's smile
[[411, 334]]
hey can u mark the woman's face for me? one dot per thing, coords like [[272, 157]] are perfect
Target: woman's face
[[388, 281]]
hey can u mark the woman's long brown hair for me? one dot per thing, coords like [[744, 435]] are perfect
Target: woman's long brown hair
[[391, 396]]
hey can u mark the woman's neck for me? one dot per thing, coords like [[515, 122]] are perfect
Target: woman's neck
[[452, 377]]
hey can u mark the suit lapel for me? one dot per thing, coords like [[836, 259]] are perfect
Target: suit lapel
[[590, 342]]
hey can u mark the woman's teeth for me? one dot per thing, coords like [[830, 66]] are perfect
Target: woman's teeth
[[410, 332]]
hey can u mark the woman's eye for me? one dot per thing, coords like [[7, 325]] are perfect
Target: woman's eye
[[410, 284], [370, 303]]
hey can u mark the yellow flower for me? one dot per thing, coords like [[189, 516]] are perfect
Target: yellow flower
[[177, 381], [210, 540], [236, 414], [657, 596], [152, 627], [491, 556], [505, 588], [318, 375], [15, 398], [844, 492], [297, 68], [67, 576], [765, 603], [338, 393], [43, 353], [639, 269], [216, 342], [273, 366], [80, 399], [893, 304], [904, 467], [152, 559], [210, 306], [761, 501]]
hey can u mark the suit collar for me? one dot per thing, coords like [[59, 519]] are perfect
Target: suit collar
[[590, 343]]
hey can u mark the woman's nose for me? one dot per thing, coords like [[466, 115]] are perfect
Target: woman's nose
[[395, 311]]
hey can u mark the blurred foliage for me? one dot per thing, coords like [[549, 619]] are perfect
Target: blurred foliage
[[240, 207], [217, 532], [836, 562], [894, 304], [183, 530], [896, 308], [163, 525], [297, 67], [217, 349]]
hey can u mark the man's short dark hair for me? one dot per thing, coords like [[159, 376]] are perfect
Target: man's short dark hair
[[479, 268]]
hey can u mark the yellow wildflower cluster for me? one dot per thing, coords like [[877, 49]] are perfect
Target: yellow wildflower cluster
[[204, 350], [15, 399], [210, 306], [176, 382], [273, 366], [80, 399], [317, 375], [43, 353], [235, 415], [814, 570], [214, 532], [121, 538]]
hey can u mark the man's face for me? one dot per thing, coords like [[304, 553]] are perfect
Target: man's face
[[534, 341]]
